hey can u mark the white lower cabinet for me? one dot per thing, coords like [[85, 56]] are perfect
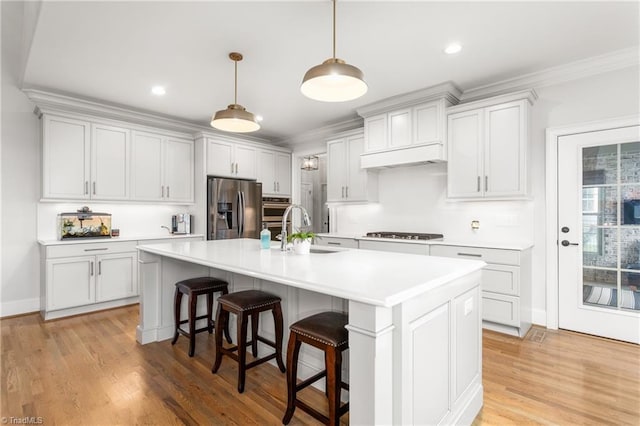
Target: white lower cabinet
[[506, 285], [395, 247], [336, 241], [83, 277]]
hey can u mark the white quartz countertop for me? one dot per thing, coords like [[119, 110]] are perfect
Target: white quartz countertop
[[504, 245], [372, 277], [164, 236]]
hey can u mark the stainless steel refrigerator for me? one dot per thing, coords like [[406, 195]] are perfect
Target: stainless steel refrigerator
[[234, 208]]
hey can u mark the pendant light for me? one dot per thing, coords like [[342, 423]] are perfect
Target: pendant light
[[235, 118], [334, 80], [309, 163]]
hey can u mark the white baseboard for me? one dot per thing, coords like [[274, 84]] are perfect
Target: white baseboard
[[539, 317], [18, 307]]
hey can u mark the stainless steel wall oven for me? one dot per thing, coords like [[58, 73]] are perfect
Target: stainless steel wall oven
[[272, 211]]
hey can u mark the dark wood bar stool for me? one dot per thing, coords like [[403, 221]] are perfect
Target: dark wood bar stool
[[244, 304], [325, 331], [195, 287]]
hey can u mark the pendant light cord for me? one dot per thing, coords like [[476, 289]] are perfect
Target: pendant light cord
[[334, 29], [235, 86]]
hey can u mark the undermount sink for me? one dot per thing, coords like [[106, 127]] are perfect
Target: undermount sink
[[321, 251]]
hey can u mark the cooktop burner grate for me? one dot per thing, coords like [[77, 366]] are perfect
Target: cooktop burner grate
[[404, 235]]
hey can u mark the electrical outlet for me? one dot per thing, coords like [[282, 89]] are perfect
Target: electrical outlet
[[475, 224]]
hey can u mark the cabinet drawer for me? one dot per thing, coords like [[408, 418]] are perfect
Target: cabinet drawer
[[489, 255], [336, 241], [395, 247], [83, 249], [501, 309], [501, 279]]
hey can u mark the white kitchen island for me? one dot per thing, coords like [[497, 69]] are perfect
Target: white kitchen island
[[415, 343]]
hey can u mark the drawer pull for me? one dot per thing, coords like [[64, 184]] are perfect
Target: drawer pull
[[97, 249], [470, 254], [331, 243]]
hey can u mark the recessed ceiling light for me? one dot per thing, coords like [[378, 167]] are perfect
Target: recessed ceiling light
[[259, 118], [158, 90], [452, 48]]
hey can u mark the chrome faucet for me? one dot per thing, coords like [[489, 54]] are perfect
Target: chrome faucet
[[305, 220]]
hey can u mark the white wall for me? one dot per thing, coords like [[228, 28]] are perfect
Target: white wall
[[20, 177], [414, 198]]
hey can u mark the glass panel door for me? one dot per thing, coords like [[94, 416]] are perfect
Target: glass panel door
[[611, 226]]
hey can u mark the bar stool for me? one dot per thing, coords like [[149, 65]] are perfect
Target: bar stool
[[195, 287], [244, 304], [325, 331]]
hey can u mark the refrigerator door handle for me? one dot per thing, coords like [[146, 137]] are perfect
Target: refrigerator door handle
[[240, 213]]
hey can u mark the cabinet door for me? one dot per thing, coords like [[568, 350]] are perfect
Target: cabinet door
[[245, 159], [116, 276], [375, 132], [464, 168], [70, 282], [427, 119], [146, 167], [399, 128], [178, 170], [110, 156], [505, 149], [336, 169], [283, 174], [220, 158], [266, 172], [356, 176], [66, 158]]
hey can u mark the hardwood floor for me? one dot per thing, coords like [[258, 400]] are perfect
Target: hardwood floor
[[89, 370]]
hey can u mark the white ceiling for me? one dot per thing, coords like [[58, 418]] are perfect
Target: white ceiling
[[115, 51]]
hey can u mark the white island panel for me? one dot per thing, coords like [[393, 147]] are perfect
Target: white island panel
[[414, 321]]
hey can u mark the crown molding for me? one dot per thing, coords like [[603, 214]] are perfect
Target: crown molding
[[447, 90], [321, 133], [529, 95], [619, 59], [51, 102]]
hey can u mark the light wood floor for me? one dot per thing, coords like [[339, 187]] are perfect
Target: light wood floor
[[89, 370]]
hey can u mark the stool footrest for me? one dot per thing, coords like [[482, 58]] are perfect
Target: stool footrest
[[303, 384], [317, 414]]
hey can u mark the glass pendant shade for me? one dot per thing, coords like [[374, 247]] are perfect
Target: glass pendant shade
[[235, 119], [310, 163], [333, 81]]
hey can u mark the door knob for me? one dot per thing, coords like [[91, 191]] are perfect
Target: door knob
[[564, 229], [566, 243]]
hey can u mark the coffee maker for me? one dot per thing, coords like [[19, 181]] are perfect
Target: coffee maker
[[181, 223]]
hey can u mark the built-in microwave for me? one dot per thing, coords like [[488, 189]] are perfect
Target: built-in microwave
[[273, 209]]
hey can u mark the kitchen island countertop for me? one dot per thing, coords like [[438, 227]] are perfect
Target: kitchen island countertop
[[376, 278]]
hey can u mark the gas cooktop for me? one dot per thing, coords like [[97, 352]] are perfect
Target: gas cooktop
[[404, 235]]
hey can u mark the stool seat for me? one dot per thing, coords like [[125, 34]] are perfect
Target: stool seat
[[201, 284], [248, 300], [325, 331], [326, 327], [245, 304], [194, 287]]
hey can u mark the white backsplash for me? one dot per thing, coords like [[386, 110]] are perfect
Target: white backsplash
[[133, 220], [413, 199]]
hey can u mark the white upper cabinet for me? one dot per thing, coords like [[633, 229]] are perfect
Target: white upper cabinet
[[178, 170], [162, 168], [84, 161], [231, 159], [407, 129], [146, 173], [110, 162], [87, 160], [346, 180], [274, 171], [488, 148], [66, 158]]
